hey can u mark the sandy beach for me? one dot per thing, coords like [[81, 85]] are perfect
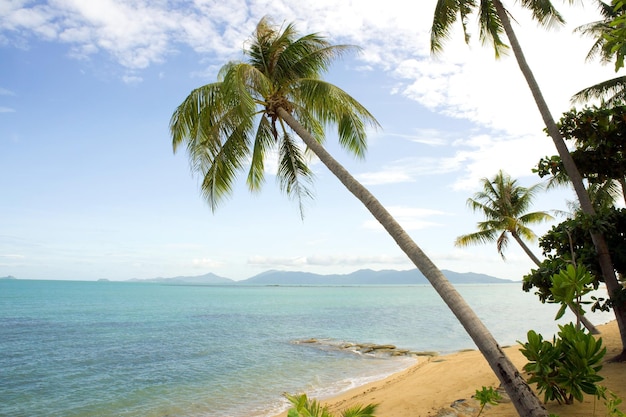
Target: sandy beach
[[434, 383]]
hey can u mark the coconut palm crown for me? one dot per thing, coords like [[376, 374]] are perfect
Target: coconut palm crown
[[233, 123], [504, 203]]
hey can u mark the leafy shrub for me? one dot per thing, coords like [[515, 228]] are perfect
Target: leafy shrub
[[565, 368]]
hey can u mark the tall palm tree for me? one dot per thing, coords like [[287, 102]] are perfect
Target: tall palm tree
[[494, 22], [504, 204], [253, 108]]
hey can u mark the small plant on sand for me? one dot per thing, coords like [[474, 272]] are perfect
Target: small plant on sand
[[566, 368], [304, 407], [611, 402], [487, 396]]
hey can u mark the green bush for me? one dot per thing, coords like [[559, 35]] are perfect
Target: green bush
[[565, 368]]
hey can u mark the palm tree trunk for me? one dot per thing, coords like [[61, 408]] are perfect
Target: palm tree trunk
[[604, 258], [526, 249], [579, 317], [526, 402]]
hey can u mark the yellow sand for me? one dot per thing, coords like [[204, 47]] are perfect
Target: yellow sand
[[432, 385]]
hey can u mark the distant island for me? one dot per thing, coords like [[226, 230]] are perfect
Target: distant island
[[360, 277], [8, 277]]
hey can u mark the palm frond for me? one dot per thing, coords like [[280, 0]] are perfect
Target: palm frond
[[332, 106], [502, 243], [544, 12], [264, 141], [360, 411], [445, 15], [481, 237], [308, 57], [294, 175], [611, 92], [491, 28]]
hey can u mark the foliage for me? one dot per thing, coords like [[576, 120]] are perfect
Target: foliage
[[610, 36], [568, 288], [571, 241], [599, 134], [487, 396], [305, 407], [491, 28], [611, 402], [566, 368], [615, 35], [504, 203], [232, 125]]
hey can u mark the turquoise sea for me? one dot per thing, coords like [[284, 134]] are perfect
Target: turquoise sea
[[71, 349]]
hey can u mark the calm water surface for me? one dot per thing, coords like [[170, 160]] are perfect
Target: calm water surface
[[135, 349]]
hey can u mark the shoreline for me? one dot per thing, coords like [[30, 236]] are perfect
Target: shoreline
[[429, 387]]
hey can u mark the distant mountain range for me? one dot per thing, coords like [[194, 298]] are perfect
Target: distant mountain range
[[361, 277]]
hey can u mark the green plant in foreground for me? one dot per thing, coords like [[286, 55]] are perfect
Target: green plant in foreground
[[611, 403], [487, 396], [568, 288], [568, 367], [304, 407]]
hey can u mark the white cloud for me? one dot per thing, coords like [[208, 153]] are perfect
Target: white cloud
[[203, 263], [408, 170], [327, 260], [132, 79], [410, 218], [6, 110], [484, 155], [12, 256]]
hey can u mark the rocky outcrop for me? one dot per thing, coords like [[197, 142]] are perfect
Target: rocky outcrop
[[370, 349]]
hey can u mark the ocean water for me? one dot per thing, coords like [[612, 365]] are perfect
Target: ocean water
[[74, 349]]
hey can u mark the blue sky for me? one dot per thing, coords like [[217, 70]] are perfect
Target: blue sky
[[90, 187]]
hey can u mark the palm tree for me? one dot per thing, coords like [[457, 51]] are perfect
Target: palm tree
[[494, 22], [279, 90], [504, 204]]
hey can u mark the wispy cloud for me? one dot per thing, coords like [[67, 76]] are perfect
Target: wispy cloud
[[463, 82], [411, 218], [326, 260]]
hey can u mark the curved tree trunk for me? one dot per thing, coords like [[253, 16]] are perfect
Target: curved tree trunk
[[579, 317], [525, 401], [604, 258]]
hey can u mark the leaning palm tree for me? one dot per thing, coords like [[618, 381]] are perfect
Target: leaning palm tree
[[504, 204], [253, 109], [495, 22]]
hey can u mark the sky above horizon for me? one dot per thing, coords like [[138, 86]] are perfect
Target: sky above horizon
[[91, 188]]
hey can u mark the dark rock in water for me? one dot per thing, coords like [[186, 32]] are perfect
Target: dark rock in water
[[369, 349]]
